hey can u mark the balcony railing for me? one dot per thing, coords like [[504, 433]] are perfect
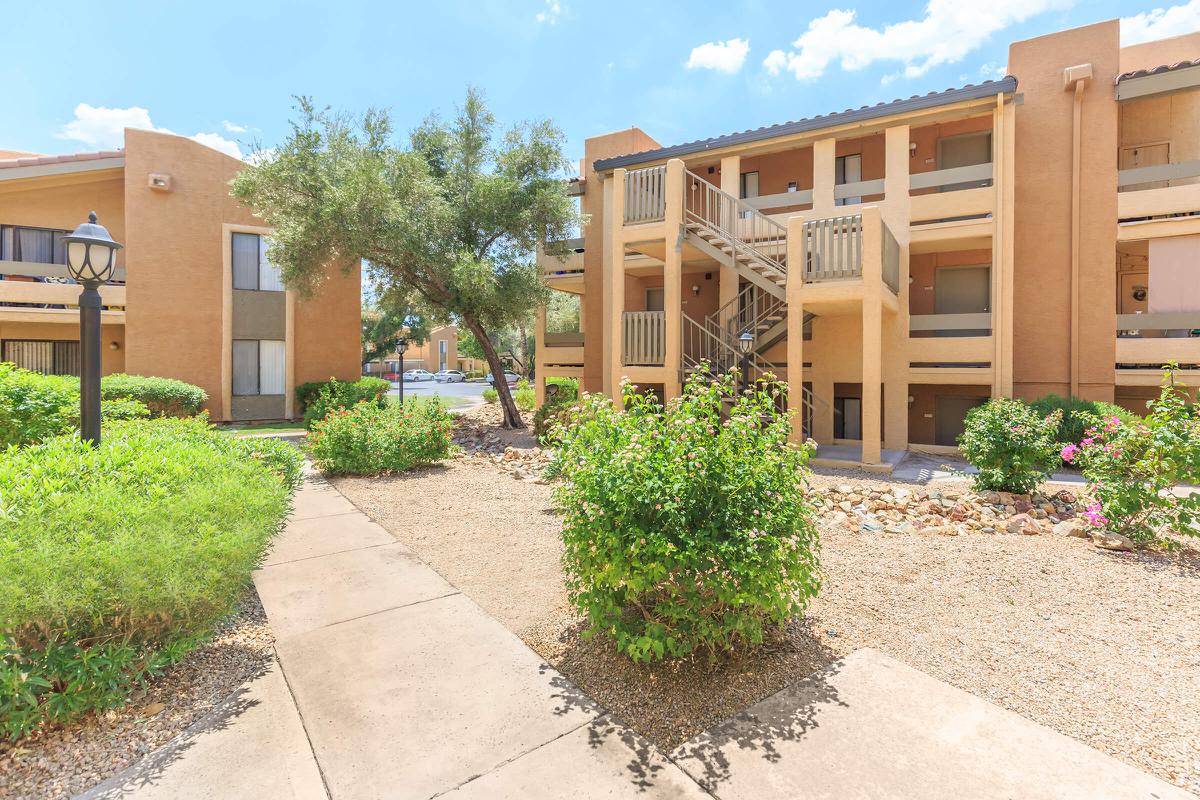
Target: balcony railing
[[1177, 324], [833, 248], [973, 176], [951, 324], [563, 339], [645, 195], [644, 338], [1157, 176]]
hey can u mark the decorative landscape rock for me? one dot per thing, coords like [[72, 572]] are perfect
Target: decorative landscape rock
[[898, 510]]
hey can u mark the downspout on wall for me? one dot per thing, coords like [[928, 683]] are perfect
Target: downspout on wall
[[1076, 78]]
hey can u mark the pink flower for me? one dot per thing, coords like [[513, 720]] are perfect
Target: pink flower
[[1088, 442], [1068, 453]]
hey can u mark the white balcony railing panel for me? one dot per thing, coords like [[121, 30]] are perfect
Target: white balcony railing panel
[[644, 338]]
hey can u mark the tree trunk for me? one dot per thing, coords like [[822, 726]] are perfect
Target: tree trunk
[[512, 417], [525, 350]]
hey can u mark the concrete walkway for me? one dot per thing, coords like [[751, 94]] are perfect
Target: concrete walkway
[[390, 683]]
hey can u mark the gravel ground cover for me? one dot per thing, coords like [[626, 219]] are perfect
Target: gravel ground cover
[[1102, 646], [69, 760]]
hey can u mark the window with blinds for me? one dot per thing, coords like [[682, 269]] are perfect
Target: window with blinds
[[49, 357], [32, 245], [259, 367], [252, 269]]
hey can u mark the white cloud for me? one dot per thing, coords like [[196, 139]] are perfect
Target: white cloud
[[218, 142], [725, 56], [1159, 23], [993, 71], [104, 128], [550, 14], [233, 127], [949, 31]]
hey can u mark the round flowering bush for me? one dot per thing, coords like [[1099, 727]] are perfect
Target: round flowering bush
[[1013, 447], [685, 530], [1132, 468], [368, 439]]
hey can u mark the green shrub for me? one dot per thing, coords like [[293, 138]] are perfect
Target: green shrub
[[490, 395], [284, 459], [122, 409], [525, 396], [165, 397], [369, 440], [34, 406], [684, 532], [1013, 447], [1132, 469], [560, 396], [1078, 414], [334, 394], [118, 559]]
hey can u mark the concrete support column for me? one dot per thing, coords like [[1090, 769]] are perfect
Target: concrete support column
[[1002, 246], [731, 173], [614, 281], [894, 350], [673, 278], [824, 152], [540, 356], [872, 333], [822, 387], [795, 326]]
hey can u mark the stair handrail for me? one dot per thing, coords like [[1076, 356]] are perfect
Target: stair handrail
[[747, 310], [727, 216]]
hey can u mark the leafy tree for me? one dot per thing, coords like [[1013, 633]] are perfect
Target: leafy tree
[[382, 329], [452, 219]]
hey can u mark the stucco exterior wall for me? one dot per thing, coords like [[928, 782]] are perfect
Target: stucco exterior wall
[[1043, 185], [111, 360], [175, 246], [591, 205]]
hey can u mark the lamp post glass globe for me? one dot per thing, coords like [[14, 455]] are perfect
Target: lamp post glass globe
[[91, 252], [745, 342], [91, 260]]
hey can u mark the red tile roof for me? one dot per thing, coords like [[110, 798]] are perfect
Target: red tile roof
[[1141, 73], [37, 161]]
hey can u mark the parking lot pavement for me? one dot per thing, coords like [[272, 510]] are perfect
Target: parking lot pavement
[[455, 394]]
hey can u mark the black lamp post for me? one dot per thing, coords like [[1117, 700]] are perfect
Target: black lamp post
[[745, 345], [401, 346], [91, 258]]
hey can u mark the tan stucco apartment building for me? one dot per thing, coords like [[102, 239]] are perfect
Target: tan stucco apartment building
[[195, 296], [899, 263]]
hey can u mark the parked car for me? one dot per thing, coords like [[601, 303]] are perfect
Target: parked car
[[418, 375], [510, 378], [449, 376]]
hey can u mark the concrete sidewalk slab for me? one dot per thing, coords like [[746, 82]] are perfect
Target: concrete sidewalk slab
[[870, 726], [601, 760], [323, 536], [301, 596], [318, 499], [415, 701], [251, 746]]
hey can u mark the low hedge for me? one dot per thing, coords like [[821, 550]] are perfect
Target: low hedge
[[34, 406], [165, 397], [119, 559], [368, 439], [317, 398]]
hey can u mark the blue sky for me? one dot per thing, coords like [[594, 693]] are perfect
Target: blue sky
[[75, 74]]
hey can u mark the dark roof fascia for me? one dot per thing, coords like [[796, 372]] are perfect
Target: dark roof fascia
[[1006, 85]]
